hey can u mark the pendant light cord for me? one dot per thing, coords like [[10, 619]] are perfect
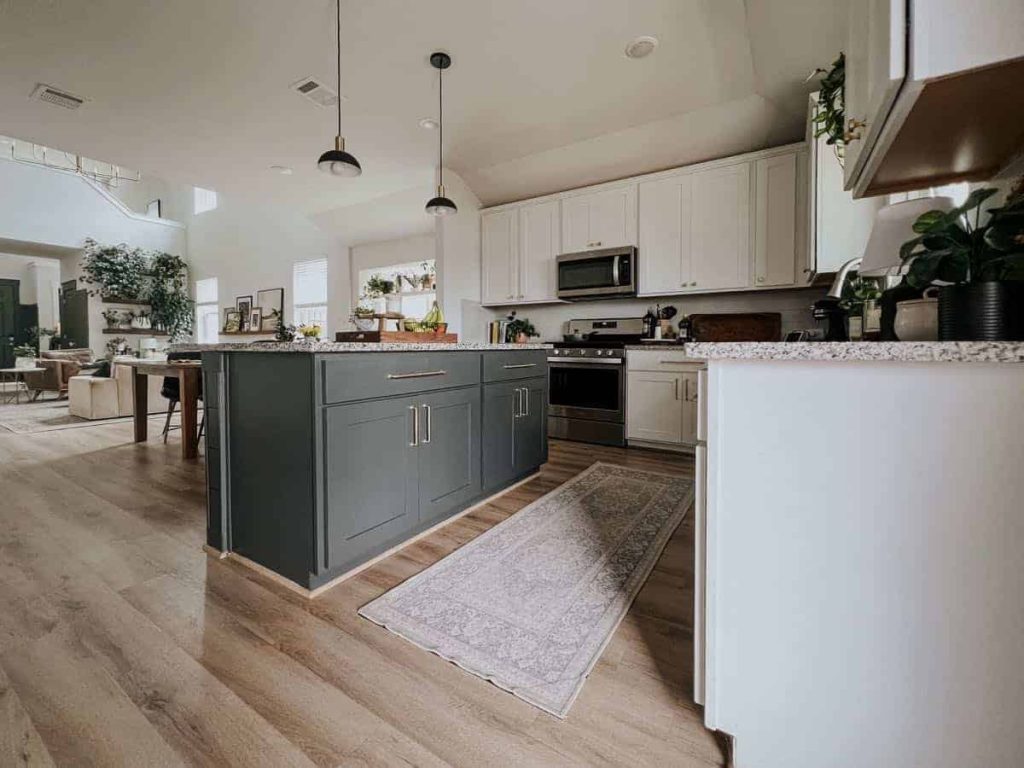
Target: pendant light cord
[[440, 128], [339, 67]]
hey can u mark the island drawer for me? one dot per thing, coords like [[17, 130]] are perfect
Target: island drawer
[[357, 376], [515, 364]]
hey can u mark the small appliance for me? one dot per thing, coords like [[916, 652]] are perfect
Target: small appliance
[[603, 273], [587, 380]]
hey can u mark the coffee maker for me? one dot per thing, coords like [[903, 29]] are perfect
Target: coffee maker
[[829, 310]]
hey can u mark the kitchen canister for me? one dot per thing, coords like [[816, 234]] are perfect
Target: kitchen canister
[[918, 319]]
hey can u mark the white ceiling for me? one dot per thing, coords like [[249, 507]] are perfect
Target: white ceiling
[[540, 97]]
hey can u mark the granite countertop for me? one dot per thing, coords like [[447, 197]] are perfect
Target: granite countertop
[[896, 351], [334, 346]]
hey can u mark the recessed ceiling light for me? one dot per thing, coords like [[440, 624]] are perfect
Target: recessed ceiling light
[[429, 123], [284, 170], [641, 46]]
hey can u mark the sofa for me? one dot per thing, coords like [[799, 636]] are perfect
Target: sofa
[[100, 397], [59, 366]]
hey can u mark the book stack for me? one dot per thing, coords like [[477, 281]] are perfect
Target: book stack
[[497, 332]]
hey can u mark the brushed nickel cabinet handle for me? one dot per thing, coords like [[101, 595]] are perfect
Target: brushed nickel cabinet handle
[[415, 426], [675, 386], [519, 365], [417, 375], [517, 404], [526, 401], [427, 425]]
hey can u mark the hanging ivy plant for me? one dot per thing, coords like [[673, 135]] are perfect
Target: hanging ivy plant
[[830, 119], [117, 271]]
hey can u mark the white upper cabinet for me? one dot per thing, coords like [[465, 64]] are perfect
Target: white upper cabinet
[[779, 223], [839, 225], [538, 246], [928, 92], [876, 64], [602, 219], [499, 251], [720, 228], [664, 230]]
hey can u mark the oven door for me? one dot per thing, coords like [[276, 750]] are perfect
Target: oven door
[[608, 272], [587, 389]]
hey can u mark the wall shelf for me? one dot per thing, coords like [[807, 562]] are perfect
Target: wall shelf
[[134, 332], [126, 302], [247, 333]]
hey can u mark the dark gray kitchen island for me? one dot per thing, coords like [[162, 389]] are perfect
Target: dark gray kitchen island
[[321, 457]]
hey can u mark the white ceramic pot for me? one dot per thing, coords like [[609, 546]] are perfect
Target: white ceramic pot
[[918, 319]]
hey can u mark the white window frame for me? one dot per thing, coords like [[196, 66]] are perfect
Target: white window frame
[[207, 306], [203, 200], [309, 309]]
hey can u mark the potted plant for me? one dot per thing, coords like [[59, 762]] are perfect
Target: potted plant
[[310, 332], [979, 267], [25, 356], [141, 320], [830, 117], [428, 280], [519, 330], [111, 317], [117, 270]]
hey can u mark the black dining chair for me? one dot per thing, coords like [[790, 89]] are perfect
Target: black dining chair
[[171, 389]]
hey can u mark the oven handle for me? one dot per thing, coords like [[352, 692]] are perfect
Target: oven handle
[[588, 361]]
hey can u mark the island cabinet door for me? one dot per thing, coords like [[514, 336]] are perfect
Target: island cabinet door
[[531, 442], [370, 468], [501, 412], [448, 453]]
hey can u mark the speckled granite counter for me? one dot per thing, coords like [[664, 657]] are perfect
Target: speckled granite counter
[[897, 351], [333, 346]]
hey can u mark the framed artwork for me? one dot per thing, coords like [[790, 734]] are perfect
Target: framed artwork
[[243, 304], [255, 319], [232, 320], [271, 303], [153, 208]]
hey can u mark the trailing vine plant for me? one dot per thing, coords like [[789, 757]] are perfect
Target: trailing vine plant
[[117, 270], [173, 309], [830, 119]]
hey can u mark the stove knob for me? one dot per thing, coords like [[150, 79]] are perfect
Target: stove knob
[[557, 351], [582, 352], [600, 352]]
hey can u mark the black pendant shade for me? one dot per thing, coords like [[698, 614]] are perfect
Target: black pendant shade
[[337, 161], [440, 205]]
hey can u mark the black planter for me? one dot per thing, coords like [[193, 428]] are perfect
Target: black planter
[[982, 312]]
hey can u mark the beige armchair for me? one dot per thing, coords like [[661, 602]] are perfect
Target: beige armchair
[[94, 397], [59, 366]]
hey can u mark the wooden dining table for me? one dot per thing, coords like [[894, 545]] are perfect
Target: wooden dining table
[[187, 372]]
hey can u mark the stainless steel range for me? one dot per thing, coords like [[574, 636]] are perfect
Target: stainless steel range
[[587, 393]]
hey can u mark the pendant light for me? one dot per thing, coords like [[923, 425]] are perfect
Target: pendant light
[[337, 161], [440, 205]]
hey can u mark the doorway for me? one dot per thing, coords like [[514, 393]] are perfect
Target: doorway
[[10, 299]]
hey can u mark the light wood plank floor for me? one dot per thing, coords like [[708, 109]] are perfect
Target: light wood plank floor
[[122, 643]]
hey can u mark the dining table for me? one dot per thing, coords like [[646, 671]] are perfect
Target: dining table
[[188, 373]]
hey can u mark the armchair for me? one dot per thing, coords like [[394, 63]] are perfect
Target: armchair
[[59, 366]]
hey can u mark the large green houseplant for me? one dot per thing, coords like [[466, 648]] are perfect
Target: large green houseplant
[[979, 266]]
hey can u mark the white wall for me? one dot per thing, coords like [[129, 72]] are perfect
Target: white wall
[[249, 248], [458, 263]]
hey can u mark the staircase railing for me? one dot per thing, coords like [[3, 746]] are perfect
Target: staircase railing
[[23, 151]]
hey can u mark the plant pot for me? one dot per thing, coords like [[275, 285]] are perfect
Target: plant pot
[[918, 319], [992, 311]]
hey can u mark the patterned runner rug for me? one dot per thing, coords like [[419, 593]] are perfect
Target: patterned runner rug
[[531, 603]]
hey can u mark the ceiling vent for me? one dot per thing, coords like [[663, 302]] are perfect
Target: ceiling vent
[[317, 92], [52, 95]]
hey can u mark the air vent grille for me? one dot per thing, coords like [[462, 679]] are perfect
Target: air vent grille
[[317, 92], [52, 95]]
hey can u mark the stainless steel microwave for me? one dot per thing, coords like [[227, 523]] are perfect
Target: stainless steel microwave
[[604, 273]]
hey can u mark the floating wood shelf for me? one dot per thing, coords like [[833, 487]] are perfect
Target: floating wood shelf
[[134, 332], [247, 333], [126, 302]]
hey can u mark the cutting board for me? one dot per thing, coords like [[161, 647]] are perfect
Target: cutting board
[[396, 337], [737, 326]]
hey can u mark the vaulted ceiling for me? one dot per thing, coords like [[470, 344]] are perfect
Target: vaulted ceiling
[[540, 98]]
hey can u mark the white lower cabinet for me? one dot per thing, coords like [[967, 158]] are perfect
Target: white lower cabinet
[[662, 398]]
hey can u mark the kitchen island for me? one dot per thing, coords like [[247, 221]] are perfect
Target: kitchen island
[[322, 457], [859, 535]]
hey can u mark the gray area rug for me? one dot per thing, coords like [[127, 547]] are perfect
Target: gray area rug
[[50, 415], [531, 603]]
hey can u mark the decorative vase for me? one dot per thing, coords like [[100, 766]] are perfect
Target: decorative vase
[[992, 311]]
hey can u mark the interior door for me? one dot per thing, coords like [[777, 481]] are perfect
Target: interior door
[[9, 301], [531, 443], [720, 228], [448, 454], [371, 474], [664, 231], [500, 256], [775, 221], [539, 239]]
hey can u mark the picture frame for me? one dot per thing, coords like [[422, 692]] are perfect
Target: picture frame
[[232, 320], [255, 319], [243, 304], [271, 303]]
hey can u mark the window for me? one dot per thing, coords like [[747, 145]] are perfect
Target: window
[[207, 312], [203, 200], [309, 286], [415, 287]]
